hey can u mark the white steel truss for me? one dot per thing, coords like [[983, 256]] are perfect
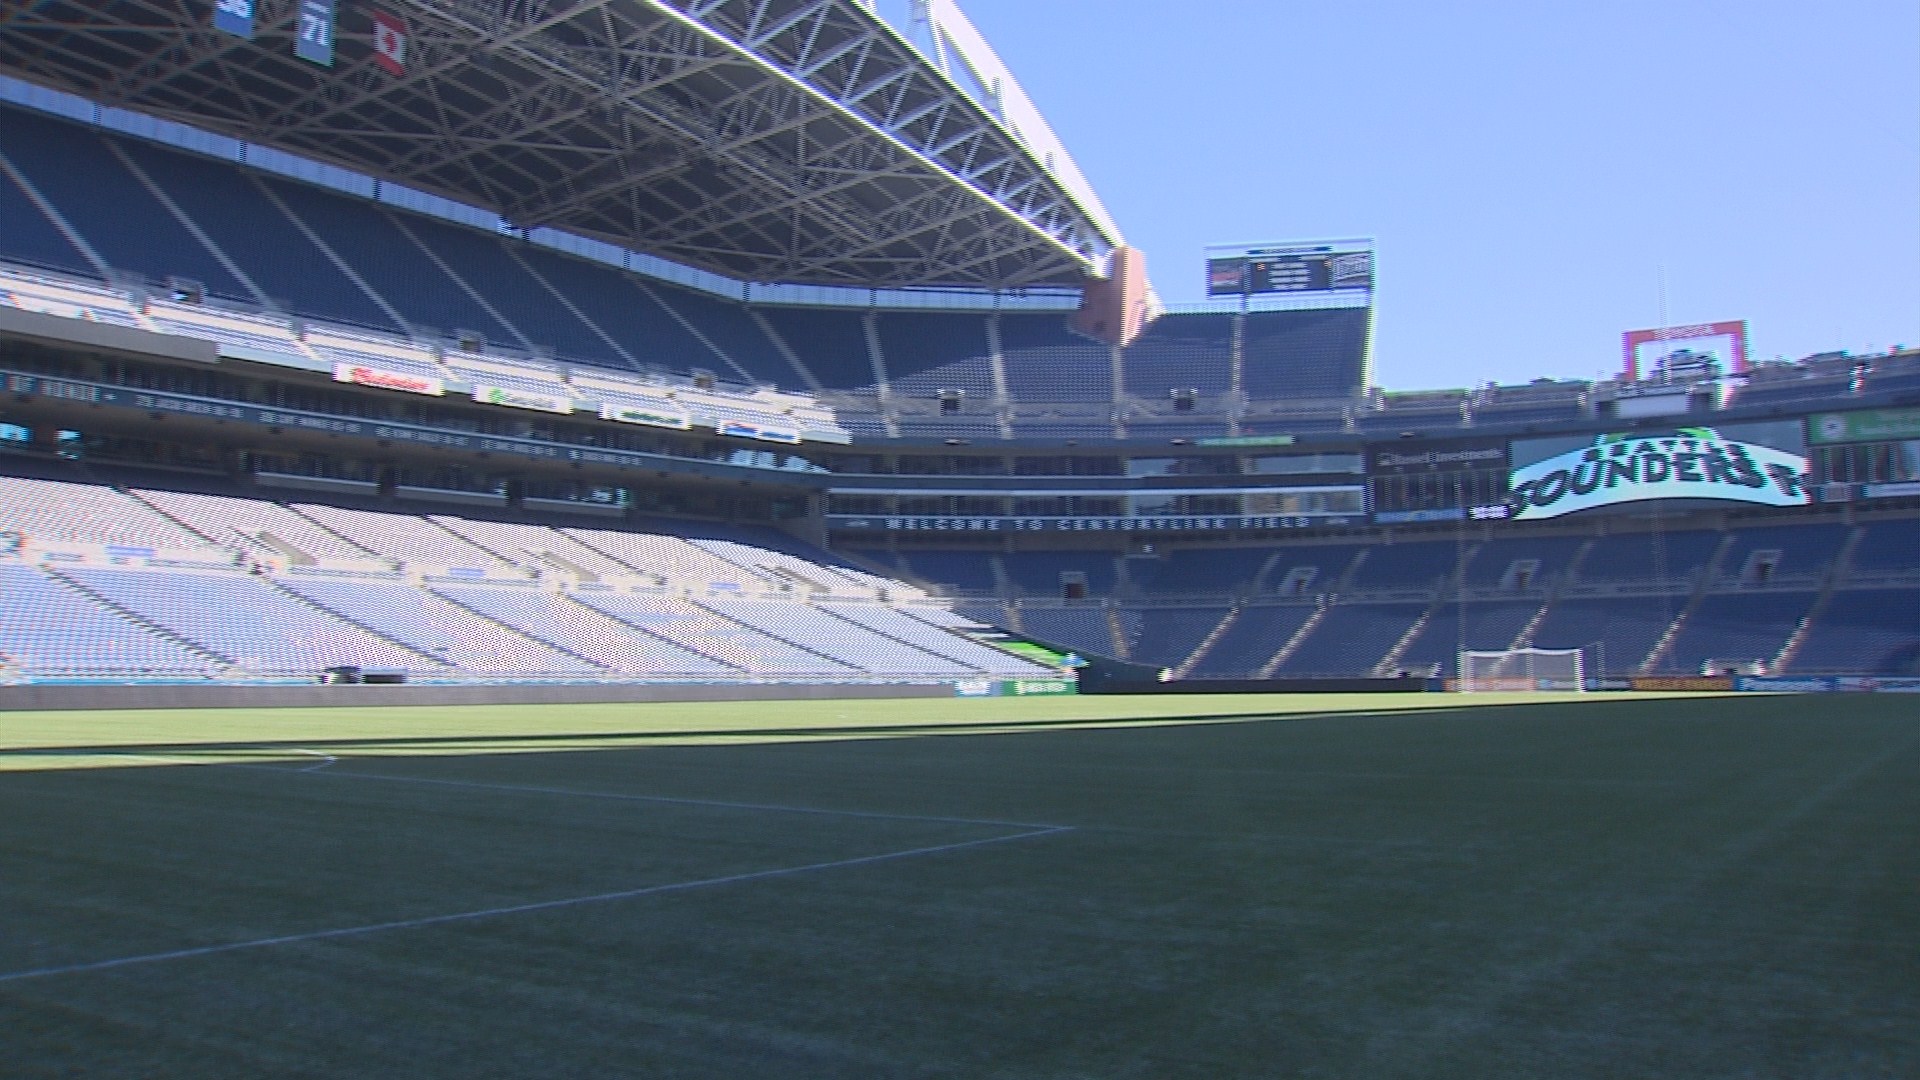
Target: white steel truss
[[794, 141]]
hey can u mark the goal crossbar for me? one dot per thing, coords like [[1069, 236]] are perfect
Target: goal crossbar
[[1523, 669]]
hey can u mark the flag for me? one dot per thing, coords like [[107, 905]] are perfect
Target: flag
[[390, 43]]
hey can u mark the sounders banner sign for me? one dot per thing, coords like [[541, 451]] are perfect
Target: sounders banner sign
[[1692, 463]]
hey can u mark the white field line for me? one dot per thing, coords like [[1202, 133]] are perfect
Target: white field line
[[530, 789], [516, 909], [328, 759]]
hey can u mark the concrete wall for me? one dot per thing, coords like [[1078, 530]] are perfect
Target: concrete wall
[[277, 697]]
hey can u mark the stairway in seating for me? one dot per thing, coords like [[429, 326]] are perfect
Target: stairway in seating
[[1390, 663], [714, 613], [1835, 574], [127, 614], [1118, 631], [334, 613], [1185, 667], [511, 629], [1293, 644], [1524, 639], [1695, 598]]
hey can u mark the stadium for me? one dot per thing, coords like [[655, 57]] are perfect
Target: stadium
[[420, 391]]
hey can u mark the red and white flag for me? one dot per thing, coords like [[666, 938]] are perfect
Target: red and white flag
[[390, 43]]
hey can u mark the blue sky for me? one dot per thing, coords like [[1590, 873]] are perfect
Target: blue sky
[[1531, 171]]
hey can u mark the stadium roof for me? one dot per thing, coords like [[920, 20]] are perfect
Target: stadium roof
[[798, 141]]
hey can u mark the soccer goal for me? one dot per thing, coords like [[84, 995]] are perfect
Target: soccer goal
[[1523, 669]]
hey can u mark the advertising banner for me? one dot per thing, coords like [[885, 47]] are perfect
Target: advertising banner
[[1867, 425], [363, 375], [1808, 684], [1551, 478], [1419, 517], [1014, 687], [1677, 350], [1719, 684], [1877, 684], [1087, 523], [522, 399], [633, 414], [1451, 456], [741, 429]]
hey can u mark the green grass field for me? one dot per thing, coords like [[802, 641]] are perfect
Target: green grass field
[[1392, 886]]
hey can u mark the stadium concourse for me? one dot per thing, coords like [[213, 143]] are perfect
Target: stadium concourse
[[289, 392]]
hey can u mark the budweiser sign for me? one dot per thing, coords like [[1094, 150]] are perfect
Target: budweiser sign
[[362, 375]]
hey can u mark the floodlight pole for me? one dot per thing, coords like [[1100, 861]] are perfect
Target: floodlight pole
[[1460, 584]]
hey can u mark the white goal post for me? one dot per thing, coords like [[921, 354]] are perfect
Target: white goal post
[[1523, 669]]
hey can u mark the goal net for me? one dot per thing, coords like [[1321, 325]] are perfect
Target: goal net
[[1523, 669]]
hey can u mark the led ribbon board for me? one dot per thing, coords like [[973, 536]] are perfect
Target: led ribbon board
[[1692, 463]]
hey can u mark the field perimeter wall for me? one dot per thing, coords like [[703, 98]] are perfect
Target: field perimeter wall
[[47, 696]]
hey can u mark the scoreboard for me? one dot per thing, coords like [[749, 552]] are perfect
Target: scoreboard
[[1320, 266]]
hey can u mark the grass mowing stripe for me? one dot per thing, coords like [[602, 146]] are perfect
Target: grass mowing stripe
[[518, 909], [1468, 1015], [530, 789]]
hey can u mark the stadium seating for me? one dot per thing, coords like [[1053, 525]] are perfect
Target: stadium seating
[[1887, 547], [1452, 628], [1085, 629], [1047, 363], [232, 211], [31, 238], [1418, 565], [1181, 353], [1305, 354], [244, 621], [108, 206], [1864, 630], [1251, 640], [732, 331], [391, 263], [1622, 629], [50, 630], [1751, 626], [1636, 557], [87, 513], [831, 343], [1515, 562], [1351, 639], [1168, 636], [457, 636]]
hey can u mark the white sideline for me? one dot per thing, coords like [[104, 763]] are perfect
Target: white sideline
[[515, 909], [328, 760]]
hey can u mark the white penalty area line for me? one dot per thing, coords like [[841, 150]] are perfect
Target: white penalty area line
[[518, 909]]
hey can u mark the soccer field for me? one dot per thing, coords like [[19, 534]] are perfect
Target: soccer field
[[1388, 886]]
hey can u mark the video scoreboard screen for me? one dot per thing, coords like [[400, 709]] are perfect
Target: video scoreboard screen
[[1328, 266]]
